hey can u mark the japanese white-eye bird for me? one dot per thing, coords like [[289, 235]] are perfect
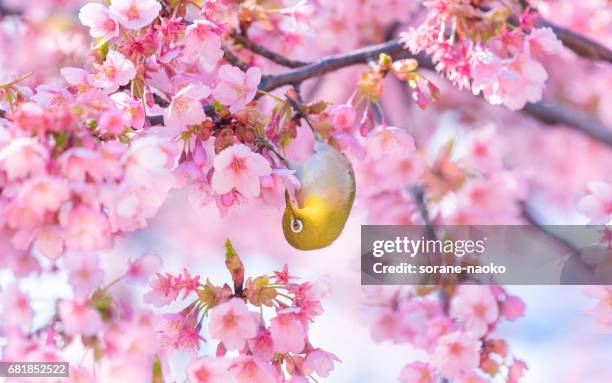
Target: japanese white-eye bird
[[324, 200]]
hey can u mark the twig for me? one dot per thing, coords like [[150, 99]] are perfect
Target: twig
[[231, 58], [329, 64], [265, 52]]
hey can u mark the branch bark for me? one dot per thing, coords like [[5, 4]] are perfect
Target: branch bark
[[332, 63], [265, 52], [581, 45]]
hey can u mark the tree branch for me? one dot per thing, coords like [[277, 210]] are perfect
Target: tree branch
[[553, 114], [581, 45], [4, 11], [231, 58], [265, 52], [332, 63]]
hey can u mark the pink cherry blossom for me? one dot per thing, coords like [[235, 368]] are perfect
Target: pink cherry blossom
[[135, 14], [202, 42], [237, 167], [185, 108], [78, 78], [476, 307], [543, 40], [320, 362], [84, 272], [77, 163], [43, 194], [22, 157], [142, 268], [516, 371], [79, 318], [602, 312], [209, 370], [16, 312], [288, 333], [262, 346], [237, 88], [112, 122], [597, 205], [150, 158], [85, 229], [132, 109], [389, 142], [49, 242], [165, 288], [456, 354], [511, 82], [232, 323], [417, 372], [513, 307], [116, 71], [248, 369], [181, 331], [98, 19], [343, 117]]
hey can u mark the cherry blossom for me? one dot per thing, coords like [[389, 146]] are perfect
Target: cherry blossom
[[84, 271], [602, 312], [476, 306], [236, 88], [116, 71], [203, 43], [287, 333], [390, 142], [597, 205], [237, 167], [99, 20], [321, 362], [456, 354], [185, 108], [79, 318], [232, 323], [135, 14], [416, 372], [209, 370]]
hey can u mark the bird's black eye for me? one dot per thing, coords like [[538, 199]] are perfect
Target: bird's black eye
[[296, 225]]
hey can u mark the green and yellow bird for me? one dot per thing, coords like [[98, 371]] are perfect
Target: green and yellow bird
[[324, 200]]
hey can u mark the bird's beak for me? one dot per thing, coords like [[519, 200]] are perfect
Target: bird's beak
[[288, 202]]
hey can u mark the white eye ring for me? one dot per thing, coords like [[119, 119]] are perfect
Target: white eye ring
[[296, 225]]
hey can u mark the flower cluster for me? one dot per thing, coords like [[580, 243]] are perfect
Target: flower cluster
[[65, 186], [486, 47], [269, 350], [458, 336], [121, 337], [131, 344]]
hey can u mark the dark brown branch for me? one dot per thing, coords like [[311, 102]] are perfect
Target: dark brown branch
[[580, 44], [553, 114], [265, 52], [4, 11], [332, 63], [231, 58]]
